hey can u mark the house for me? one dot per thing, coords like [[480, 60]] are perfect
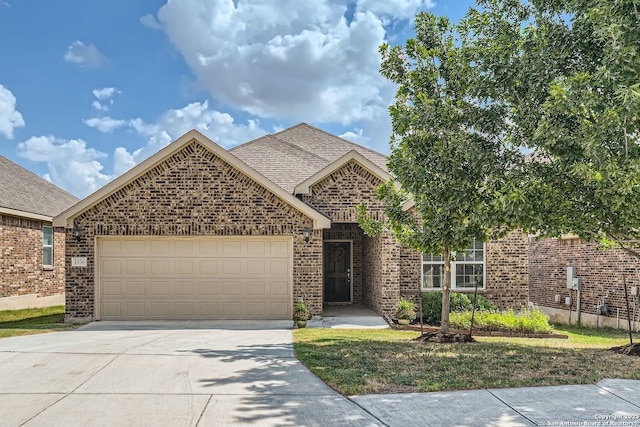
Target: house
[[31, 249], [200, 232], [602, 300]]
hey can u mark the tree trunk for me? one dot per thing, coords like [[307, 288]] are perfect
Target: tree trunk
[[446, 291]]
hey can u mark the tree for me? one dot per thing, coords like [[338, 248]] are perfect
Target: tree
[[568, 74], [448, 158]]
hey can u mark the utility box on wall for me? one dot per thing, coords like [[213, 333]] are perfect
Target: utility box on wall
[[571, 274]]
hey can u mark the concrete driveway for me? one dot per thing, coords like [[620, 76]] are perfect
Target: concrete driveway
[[166, 374], [244, 373]]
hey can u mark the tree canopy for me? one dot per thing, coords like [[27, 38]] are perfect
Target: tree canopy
[[568, 74], [447, 153], [559, 79]]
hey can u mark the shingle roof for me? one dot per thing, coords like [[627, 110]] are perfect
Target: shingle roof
[[292, 155], [25, 191]]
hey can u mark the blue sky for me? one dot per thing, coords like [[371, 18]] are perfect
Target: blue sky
[[88, 89]]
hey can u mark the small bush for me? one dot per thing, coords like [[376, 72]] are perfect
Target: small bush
[[432, 305], [405, 309], [526, 321]]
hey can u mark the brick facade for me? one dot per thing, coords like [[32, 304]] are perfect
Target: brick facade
[[506, 262], [377, 274], [602, 277], [390, 270], [196, 193], [21, 270], [193, 193], [338, 194]]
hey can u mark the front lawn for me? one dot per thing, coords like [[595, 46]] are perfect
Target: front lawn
[[388, 361], [32, 321]]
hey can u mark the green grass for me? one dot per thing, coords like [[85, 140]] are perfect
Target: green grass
[[32, 321], [388, 361]]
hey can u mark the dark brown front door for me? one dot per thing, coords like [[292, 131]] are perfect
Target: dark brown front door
[[337, 272]]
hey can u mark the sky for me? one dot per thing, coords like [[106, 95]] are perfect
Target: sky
[[89, 89]]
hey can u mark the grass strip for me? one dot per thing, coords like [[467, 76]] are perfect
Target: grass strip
[[388, 361], [32, 321]]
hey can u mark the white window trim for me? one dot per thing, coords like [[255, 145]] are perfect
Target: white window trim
[[47, 266], [453, 271]]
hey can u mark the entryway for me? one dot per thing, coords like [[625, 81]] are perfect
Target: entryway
[[338, 262]]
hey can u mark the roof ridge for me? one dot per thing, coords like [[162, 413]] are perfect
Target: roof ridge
[[333, 136], [300, 148]]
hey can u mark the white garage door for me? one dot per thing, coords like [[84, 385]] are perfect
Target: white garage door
[[195, 278]]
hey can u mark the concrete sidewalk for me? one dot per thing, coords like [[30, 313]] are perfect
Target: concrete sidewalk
[[608, 403]]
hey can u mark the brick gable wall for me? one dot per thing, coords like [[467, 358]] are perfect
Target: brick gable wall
[[193, 193], [338, 194], [21, 270]]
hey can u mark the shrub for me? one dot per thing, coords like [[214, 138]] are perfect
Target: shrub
[[526, 321], [432, 305]]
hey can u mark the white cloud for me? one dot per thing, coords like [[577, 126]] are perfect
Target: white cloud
[[306, 60], [218, 126], [105, 92], [104, 124], [10, 118], [84, 55], [70, 164], [100, 107], [395, 8]]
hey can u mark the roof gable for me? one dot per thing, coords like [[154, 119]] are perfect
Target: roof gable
[[291, 156], [23, 193], [66, 218], [304, 186]]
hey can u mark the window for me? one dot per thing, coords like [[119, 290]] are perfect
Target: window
[[467, 268], [47, 246]]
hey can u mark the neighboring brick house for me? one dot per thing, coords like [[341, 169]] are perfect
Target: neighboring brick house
[[602, 273], [200, 232], [31, 249]]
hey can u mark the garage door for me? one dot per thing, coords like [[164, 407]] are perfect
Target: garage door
[[207, 278]]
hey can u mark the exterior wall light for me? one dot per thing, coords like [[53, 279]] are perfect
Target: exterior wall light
[[307, 235], [76, 233]]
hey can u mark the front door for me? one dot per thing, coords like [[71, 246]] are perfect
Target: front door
[[337, 272]]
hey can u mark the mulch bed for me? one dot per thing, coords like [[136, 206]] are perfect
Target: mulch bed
[[628, 349], [440, 338], [431, 329]]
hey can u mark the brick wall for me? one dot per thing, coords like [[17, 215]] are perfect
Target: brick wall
[[381, 272], [193, 193], [506, 264], [600, 270], [338, 194], [21, 270], [507, 275]]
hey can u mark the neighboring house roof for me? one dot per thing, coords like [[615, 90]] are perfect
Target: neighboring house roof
[[66, 218], [291, 156], [23, 193]]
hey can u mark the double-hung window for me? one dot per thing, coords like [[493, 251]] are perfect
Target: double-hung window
[[47, 246], [467, 268]]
